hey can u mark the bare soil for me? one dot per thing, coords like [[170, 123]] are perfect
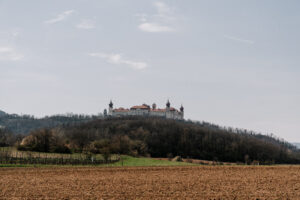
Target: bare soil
[[192, 182]]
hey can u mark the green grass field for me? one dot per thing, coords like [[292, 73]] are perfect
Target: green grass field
[[125, 160], [132, 161]]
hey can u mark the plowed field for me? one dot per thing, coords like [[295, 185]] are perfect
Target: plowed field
[[195, 182]]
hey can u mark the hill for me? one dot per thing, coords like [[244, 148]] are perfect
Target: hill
[[296, 144], [2, 113], [23, 124], [164, 138]]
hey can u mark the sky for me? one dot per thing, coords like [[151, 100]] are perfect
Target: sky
[[233, 63]]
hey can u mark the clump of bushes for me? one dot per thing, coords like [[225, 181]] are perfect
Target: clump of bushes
[[119, 145], [177, 159], [7, 138], [44, 140], [54, 141]]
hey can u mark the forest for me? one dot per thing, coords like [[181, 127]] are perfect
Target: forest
[[23, 124], [158, 137]]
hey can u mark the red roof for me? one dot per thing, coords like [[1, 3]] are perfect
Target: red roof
[[173, 109], [144, 106], [121, 110]]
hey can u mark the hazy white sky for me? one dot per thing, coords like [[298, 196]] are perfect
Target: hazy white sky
[[234, 63]]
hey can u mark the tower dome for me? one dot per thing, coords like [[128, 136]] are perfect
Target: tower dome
[[181, 108], [168, 104], [111, 104], [154, 106]]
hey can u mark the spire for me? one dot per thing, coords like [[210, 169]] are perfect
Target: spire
[[168, 104], [111, 104], [181, 108]]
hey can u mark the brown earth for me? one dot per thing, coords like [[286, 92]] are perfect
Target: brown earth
[[202, 162], [193, 182]]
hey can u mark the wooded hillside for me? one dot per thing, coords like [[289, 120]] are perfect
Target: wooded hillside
[[166, 138], [23, 124]]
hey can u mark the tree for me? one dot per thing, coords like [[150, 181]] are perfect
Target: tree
[[105, 112]]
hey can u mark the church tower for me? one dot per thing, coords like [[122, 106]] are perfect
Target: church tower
[[153, 106], [182, 111], [110, 108], [168, 106], [168, 112]]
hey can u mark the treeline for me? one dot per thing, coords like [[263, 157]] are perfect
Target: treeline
[[163, 138], [23, 124], [10, 156], [7, 138], [269, 138]]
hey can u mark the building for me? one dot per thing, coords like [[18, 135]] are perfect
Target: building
[[145, 110]]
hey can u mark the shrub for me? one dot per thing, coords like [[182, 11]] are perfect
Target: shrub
[[44, 141], [170, 156], [106, 154], [177, 159]]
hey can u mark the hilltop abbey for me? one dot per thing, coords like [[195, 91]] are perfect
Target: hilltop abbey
[[145, 110]]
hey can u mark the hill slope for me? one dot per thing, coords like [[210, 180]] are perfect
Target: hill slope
[[23, 124], [2, 113], [297, 144], [166, 138]]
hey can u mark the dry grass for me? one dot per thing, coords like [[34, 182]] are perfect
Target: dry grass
[[184, 182], [202, 162], [13, 152]]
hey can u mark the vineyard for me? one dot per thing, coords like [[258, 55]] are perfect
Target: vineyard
[[13, 156]]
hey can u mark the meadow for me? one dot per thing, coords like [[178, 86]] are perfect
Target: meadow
[[12, 156], [40, 159]]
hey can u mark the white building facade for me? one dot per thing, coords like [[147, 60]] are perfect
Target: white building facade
[[145, 110]]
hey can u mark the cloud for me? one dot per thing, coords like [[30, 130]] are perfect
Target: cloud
[[164, 12], [239, 39], [161, 21], [142, 17], [162, 7], [117, 59], [15, 33], [60, 17], [9, 36], [9, 54], [86, 24], [153, 27]]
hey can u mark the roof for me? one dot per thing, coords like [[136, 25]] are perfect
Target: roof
[[158, 110], [173, 109], [121, 110], [144, 106]]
